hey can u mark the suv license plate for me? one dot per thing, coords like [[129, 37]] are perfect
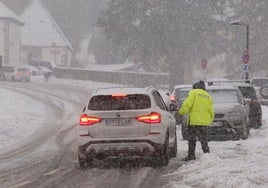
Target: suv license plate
[[216, 124], [118, 122]]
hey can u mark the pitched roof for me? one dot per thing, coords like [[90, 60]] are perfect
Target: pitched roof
[[16, 5], [6, 13], [39, 22]]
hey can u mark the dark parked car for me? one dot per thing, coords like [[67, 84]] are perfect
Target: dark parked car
[[255, 110], [231, 119], [250, 95], [261, 86]]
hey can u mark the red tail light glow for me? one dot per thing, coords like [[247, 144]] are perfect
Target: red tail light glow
[[154, 117], [119, 95], [86, 120], [172, 98]]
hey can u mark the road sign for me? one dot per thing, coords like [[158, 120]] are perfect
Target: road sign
[[245, 56], [245, 67]]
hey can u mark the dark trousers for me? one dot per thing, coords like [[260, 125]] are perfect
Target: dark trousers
[[197, 133]]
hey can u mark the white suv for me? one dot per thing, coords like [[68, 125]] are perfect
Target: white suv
[[128, 123]]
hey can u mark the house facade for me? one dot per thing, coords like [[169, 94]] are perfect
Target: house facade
[[41, 37], [10, 37]]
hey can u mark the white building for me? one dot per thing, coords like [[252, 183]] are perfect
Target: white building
[[10, 37], [42, 38]]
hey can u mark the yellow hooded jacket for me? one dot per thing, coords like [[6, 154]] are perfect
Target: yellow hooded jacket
[[200, 107]]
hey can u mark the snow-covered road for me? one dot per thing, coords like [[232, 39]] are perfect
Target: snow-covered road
[[27, 111]]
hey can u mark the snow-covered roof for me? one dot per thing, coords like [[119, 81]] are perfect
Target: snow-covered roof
[[116, 90], [6, 13], [40, 28]]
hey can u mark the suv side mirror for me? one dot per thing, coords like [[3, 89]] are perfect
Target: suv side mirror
[[173, 107]]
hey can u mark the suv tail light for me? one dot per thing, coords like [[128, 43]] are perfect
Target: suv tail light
[[88, 120], [172, 98], [154, 117]]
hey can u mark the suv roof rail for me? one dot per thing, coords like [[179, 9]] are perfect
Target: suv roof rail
[[219, 82], [149, 87]]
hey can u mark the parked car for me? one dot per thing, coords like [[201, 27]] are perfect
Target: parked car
[[259, 81], [250, 95], [255, 111], [260, 84], [35, 71], [128, 123], [42, 63], [15, 73], [264, 94], [231, 119], [177, 95]]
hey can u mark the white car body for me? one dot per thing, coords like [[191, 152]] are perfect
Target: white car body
[[120, 133]]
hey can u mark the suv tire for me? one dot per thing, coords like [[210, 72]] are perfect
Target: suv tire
[[84, 161], [173, 151], [163, 157]]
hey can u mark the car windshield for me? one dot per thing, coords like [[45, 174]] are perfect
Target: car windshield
[[129, 102], [183, 95], [224, 96]]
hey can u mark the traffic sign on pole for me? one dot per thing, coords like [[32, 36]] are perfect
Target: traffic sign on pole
[[245, 56], [245, 67]]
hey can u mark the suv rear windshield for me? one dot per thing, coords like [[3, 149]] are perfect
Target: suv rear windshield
[[129, 102], [224, 96]]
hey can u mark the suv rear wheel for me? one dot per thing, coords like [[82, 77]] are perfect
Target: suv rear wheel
[[173, 151], [163, 157], [84, 160]]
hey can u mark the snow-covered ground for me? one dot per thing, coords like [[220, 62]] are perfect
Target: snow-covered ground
[[21, 116], [242, 163]]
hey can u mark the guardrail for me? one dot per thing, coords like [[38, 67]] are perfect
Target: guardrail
[[137, 79]]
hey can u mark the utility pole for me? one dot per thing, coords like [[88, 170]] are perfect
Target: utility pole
[[246, 52]]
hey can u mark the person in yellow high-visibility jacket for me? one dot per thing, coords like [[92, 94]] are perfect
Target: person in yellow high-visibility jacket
[[199, 105]]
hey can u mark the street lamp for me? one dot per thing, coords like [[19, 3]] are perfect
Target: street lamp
[[247, 40]]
